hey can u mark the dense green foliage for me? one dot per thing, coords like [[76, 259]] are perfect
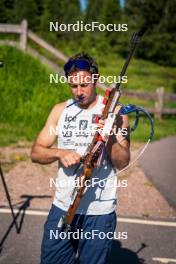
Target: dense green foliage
[[158, 44]]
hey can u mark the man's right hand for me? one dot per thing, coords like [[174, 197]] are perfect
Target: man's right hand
[[42, 151], [68, 157]]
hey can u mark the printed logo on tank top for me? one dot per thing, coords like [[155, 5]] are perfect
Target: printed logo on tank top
[[77, 127]]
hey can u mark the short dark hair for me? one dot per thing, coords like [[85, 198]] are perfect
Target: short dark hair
[[83, 56]]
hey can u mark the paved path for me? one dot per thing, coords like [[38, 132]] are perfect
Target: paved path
[[159, 165], [147, 242]]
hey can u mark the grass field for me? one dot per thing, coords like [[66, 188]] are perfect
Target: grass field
[[27, 96]]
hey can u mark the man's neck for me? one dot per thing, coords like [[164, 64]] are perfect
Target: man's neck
[[91, 104]]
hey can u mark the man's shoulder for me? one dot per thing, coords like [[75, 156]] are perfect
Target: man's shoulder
[[59, 106], [57, 110]]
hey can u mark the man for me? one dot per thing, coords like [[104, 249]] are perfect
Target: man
[[73, 120]]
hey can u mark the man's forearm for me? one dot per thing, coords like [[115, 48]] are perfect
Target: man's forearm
[[118, 153], [43, 155], [120, 156]]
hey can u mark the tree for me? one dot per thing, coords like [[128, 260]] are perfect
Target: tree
[[111, 14], [92, 11], [63, 12], [158, 43], [6, 10], [108, 12], [28, 11]]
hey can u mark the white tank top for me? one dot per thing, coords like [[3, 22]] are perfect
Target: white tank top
[[75, 132]]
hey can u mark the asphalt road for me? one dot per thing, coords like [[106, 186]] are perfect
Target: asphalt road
[[159, 165], [145, 241]]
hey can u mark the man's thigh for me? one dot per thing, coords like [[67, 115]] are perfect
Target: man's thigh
[[56, 248], [96, 249]]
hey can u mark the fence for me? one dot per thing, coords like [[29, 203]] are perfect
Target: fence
[[160, 97]]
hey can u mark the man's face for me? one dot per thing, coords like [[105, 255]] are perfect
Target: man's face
[[81, 83]]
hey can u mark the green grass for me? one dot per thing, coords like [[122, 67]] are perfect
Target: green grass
[[163, 128], [142, 75], [27, 96]]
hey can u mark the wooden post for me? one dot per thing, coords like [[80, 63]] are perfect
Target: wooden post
[[160, 102], [23, 35]]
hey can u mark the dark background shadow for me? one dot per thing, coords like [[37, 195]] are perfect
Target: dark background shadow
[[120, 255], [18, 218]]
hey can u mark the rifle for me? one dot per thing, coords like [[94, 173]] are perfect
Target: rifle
[[94, 152]]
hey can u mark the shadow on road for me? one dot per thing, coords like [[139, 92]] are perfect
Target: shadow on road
[[18, 218], [125, 255]]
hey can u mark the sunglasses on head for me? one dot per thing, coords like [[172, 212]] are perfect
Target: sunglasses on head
[[80, 64]]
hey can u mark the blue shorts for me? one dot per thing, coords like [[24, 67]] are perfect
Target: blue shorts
[[89, 243]]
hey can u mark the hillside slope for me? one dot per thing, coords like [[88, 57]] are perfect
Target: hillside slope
[[26, 94]]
